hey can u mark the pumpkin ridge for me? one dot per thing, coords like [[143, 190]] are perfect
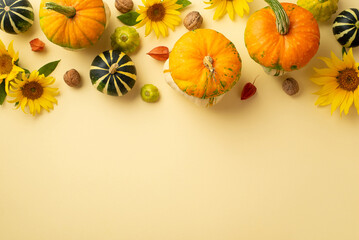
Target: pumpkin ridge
[[61, 31], [87, 36], [88, 39], [84, 16], [56, 28]]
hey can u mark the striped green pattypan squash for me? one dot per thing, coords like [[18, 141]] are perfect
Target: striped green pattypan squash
[[321, 9], [16, 16]]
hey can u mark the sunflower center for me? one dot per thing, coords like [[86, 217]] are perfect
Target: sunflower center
[[5, 64], [32, 90], [156, 12], [348, 79]]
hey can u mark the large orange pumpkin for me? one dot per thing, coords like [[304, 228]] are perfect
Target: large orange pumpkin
[[73, 24], [282, 38], [204, 64]]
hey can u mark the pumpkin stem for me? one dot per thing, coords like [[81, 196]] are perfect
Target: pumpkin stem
[[208, 63], [113, 68], [282, 20], [68, 11]]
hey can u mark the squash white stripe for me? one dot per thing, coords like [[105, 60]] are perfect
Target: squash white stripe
[[352, 13], [350, 41], [98, 68], [23, 17], [124, 84], [338, 24], [343, 33], [100, 80], [343, 16], [133, 76], [127, 64], [16, 30], [104, 59], [120, 57], [105, 89], [2, 22], [15, 2], [24, 8], [117, 88]]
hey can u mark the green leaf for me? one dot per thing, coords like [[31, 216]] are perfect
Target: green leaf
[[2, 92], [129, 18], [16, 104], [184, 3], [48, 68], [26, 71]]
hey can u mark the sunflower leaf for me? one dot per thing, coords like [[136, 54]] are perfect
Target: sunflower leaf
[[2, 92], [47, 69], [26, 71], [129, 18], [184, 3]]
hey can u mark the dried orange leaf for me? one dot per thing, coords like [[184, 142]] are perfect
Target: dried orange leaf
[[37, 45], [160, 53]]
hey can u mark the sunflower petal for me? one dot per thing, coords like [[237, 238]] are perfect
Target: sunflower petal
[[338, 99]]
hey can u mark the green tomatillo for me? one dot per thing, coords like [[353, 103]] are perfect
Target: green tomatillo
[[125, 39], [150, 93]]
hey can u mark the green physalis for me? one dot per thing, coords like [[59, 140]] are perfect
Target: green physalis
[[150, 93]]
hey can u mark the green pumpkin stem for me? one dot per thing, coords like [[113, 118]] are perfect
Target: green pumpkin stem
[[68, 11], [282, 20]]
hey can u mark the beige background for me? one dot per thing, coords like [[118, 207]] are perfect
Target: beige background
[[99, 167]]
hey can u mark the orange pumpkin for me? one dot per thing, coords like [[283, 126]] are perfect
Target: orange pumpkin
[[204, 64], [73, 24], [282, 38]]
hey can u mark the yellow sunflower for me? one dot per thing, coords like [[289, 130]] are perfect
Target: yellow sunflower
[[159, 15], [8, 69], [339, 82], [229, 6], [34, 91]]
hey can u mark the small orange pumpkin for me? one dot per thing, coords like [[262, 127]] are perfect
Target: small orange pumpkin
[[73, 24], [282, 38], [204, 64]]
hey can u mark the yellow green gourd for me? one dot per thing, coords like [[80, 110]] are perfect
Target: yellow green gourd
[[321, 9]]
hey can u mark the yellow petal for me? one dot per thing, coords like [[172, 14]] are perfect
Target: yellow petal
[[323, 80], [10, 49], [328, 88], [326, 72], [325, 100], [349, 102], [155, 28], [23, 104], [337, 62], [349, 59], [356, 99], [338, 99], [220, 11], [31, 106], [148, 28], [230, 10]]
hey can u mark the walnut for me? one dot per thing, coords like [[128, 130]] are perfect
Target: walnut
[[290, 86], [193, 20], [124, 6], [72, 78]]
